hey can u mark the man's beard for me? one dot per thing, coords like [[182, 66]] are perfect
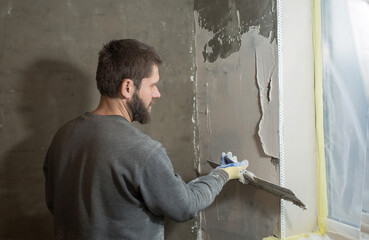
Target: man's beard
[[138, 110]]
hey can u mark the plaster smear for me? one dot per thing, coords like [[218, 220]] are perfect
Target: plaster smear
[[237, 106], [267, 78]]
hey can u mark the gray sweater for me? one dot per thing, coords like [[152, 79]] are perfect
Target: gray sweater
[[105, 179]]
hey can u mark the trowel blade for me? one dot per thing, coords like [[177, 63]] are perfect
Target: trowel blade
[[272, 188]]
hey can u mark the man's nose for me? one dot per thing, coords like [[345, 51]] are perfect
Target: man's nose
[[156, 93]]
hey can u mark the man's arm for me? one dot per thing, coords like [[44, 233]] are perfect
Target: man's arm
[[166, 194]]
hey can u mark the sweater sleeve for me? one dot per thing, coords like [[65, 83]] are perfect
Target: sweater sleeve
[[166, 194]]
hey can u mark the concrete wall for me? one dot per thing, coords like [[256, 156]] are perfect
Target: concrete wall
[[48, 57]]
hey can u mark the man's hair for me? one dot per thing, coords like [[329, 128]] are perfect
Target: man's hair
[[121, 59]]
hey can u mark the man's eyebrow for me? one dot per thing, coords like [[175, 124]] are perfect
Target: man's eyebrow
[[154, 83]]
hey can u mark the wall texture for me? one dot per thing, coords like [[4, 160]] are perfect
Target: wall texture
[[219, 93], [237, 106], [48, 57]]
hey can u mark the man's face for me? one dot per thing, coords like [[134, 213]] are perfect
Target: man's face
[[142, 99]]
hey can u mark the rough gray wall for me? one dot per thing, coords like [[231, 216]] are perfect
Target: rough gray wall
[[237, 110], [48, 56]]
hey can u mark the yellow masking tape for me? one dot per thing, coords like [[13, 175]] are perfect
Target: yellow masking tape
[[318, 73]]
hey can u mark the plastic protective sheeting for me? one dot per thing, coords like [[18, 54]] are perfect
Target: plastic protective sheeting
[[359, 18], [345, 80]]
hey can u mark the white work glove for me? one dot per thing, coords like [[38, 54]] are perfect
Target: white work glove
[[234, 169]]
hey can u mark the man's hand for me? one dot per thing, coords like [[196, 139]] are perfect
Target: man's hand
[[233, 168]]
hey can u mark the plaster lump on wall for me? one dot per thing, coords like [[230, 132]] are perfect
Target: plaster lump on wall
[[266, 77]]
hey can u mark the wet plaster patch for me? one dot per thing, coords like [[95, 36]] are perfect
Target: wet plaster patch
[[228, 20]]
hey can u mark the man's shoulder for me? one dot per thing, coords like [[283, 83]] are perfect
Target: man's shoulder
[[68, 125], [115, 130], [144, 141]]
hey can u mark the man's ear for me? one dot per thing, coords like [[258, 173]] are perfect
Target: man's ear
[[127, 88]]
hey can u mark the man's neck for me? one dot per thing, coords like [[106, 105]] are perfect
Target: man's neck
[[113, 106]]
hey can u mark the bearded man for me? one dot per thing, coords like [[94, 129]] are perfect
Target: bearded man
[[104, 178]]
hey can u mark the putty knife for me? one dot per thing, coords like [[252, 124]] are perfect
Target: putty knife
[[274, 189]]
